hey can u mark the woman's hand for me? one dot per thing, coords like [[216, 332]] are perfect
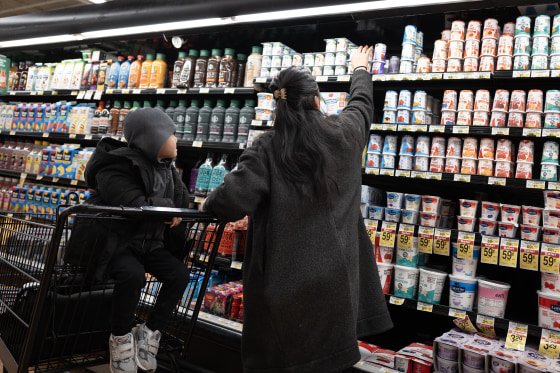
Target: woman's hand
[[361, 56], [174, 222]]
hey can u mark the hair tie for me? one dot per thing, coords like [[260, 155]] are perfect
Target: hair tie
[[280, 94]]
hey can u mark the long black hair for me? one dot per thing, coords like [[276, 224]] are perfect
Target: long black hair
[[299, 138]]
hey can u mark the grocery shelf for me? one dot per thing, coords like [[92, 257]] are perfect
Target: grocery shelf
[[65, 93], [43, 179], [441, 310], [233, 147], [424, 129], [262, 124], [58, 136], [182, 91]]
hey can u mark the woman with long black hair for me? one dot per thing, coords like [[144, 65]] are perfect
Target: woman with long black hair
[[310, 282]]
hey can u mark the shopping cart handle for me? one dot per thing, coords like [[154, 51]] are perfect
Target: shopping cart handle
[[145, 211], [178, 212]]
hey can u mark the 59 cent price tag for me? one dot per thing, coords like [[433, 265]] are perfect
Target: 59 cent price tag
[[550, 344], [371, 229], [425, 239], [388, 231], [489, 250], [465, 245], [406, 232], [529, 252], [550, 258], [508, 252], [517, 336], [442, 239]]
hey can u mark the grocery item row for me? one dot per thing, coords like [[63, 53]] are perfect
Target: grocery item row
[[209, 173]]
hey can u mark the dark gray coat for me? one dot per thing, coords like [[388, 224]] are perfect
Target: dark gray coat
[[310, 280]]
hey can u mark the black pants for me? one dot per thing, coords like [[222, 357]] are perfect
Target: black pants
[[128, 270]]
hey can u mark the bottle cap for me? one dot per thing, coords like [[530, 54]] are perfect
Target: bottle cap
[[182, 54], [140, 57], [147, 104], [250, 102], [149, 56], [117, 103], [173, 103], [204, 53], [256, 49], [158, 102], [195, 102], [193, 53], [229, 52], [160, 56], [234, 103], [216, 52], [131, 58], [241, 57], [182, 102], [207, 102], [221, 103]]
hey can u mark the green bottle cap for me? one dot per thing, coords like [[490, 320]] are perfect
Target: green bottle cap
[[126, 104], [204, 53], [158, 102], [256, 49], [136, 104], [193, 53], [195, 102], [182, 54], [147, 104], [150, 57], [234, 103], [221, 103], [182, 102], [216, 52], [250, 102], [229, 52], [173, 103], [241, 57], [117, 103], [207, 102], [160, 56]]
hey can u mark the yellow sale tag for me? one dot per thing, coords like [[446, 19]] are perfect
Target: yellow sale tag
[[396, 301], [465, 245], [550, 344], [517, 336], [425, 240], [441, 242], [371, 229], [405, 236], [489, 249], [508, 252], [388, 231], [550, 261], [485, 324], [426, 307], [465, 324], [529, 252]]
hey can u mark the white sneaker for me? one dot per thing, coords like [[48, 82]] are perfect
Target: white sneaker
[[122, 351], [147, 345]]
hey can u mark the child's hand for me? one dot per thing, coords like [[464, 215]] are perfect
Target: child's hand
[[361, 56], [174, 222]]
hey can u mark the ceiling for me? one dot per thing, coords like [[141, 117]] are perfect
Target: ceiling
[[9, 8]]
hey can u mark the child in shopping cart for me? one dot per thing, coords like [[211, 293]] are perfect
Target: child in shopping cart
[[140, 173]]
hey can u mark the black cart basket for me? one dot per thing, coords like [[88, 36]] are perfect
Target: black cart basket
[[54, 302]]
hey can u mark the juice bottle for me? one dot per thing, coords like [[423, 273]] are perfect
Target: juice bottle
[[123, 73], [203, 177], [114, 114], [186, 79], [23, 78], [178, 68], [201, 68], [228, 64], [217, 122], [135, 72], [231, 122], [218, 173], [191, 121], [123, 112], [254, 63], [113, 77], [159, 70], [97, 118], [239, 75], [246, 116], [170, 110], [213, 71], [12, 75], [146, 71], [179, 114], [204, 121]]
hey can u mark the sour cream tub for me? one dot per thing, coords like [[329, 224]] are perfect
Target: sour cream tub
[[376, 212], [466, 223], [549, 310], [487, 227], [431, 204], [405, 282], [465, 267], [551, 235], [385, 272], [492, 297], [551, 218], [429, 219], [462, 292], [395, 200], [529, 232], [430, 285], [409, 217], [392, 215]]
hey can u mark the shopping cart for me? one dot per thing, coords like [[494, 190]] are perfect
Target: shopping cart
[[55, 307]]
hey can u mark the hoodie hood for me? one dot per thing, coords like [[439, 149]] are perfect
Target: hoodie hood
[[147, 130]]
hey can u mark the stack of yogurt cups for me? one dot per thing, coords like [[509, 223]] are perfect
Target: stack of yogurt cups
[[517, 108], [453, 155], [389, 154], [465, 108], [373, 155], [337, 57], [489, 45], [534, 108], [551, 217], [552, 109], [472, 46], [378, 64], [278, 56], [525, 160], [456, 47], [554, 62], [522, 43], [437, 154], [549, 161], [439, 57], [404, 107], [449, 108], [266, 105], [390, 107], [412, 46], [505, 48], [481, 108], [421, 154], [500, 108], [541, 38]]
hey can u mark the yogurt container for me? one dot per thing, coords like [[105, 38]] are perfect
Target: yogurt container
[[308, 59], [551, 218], [535, 101], [390, 116], [408, 52], [456, 49], [431, 204], [515, 119], [447, 350], [407, 145], [392, 215], [422, 146], [452, 165], [492, 297], [410, 32], [554, 46], [473, 30], [509, 29], [462, 292], [487, 63], [385, 272], [549, 310], [429, 219], [470, 64], [529, 232], [486, 150], [266, 101], [447, 117], [449, 100], [504, 150], [489, 47], [526, 150], [539, 62], [482, 100], [487, 227], [555, 26], [550, 283], [423, 65], [388, 161], [439, 65], [470, 148], [552, 103], [390, 145], [406, 66], [391, 100], [374, 145], [446, 366], [503, 169], [505, 46], [330, 45], [485, 167], [523, 26], [550, 153], [540, 46], [551, 235], [405, 281], [405, 99], [453, 147], [498, 119], [510, 213], [373, 160], [468, 207], [430, 285], [405, 162], [468, 167], [552, 120], [379, 52], [490, 28], [466, 100], [409, 217], [472, 49], [437, 164], [264, 114], [521, 46], [328, 70], [446, 35], [408, 257], [376, 212], [412, 202], [420, 100], [395, 200], [549, 172], [419, 117], [521, 62], [440, 50], [421, 163], [457, 30], [506, 229], [542, 26], [480, 118], [454, 65], [501, 100], [533, 120], [438, 147], [466, 223], [524, 171], [517, 101]]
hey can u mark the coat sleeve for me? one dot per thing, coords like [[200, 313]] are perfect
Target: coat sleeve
[[358, 114], [244, 189]]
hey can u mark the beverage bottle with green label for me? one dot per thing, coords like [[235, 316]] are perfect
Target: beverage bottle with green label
[[171, 109], [217, 122]]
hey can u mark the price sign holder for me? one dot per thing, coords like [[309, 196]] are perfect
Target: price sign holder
[[371, 228], [388, 231], [489, 251], [426, 307], [465, 245], [462, 177], [465, 324], [509, 249], [457, 314], [442, 241], [485, 324], [517, 336], [425, 239], [406, 232], [550, 258], [550, 344], [396, 301], [529, 252]]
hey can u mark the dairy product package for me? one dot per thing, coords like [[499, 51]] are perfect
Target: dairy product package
[[333, 102]]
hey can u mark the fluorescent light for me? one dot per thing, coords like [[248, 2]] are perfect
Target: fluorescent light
[[97, 1], [43, 40]]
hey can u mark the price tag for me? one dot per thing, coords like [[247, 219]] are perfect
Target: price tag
[[204, 90], [450, 76], [550, 344], [434, 175], [198, 199], [12, 93], [531, 132], [484, 75], [521, 74], [529, 255], [372, 171], [88, 95], [160, 91], [396, 77], [376, 127], [389, 127], [420, 128], [343, 78], [425, 239], [396, 301], [517, 336], [409, 76], [236, 265], [509, 248], [406, 232], [229, 91], [388, 231], [402, 173], [109, 91], [73, 182], [260, 80], [555, 73], [182, 91], [405, 128], [136, 91], [461, 177], [321, 78], [465, 245], [426, 307], [551, 132], [378, 77], [485, 324], [497, 181], [197, 144], [500, 131], [536, 184], [417, 174], [88, 137], [55, 179], [465, 324], [458, 314], [540, 73], [371, 229], [553, 185], [45, 134], [12, 133], [489, 249], [550, 258], [442, 239], [435, 76], [98, 95], [461, 129], [256, 123], [387, 172], [437, 129], [39, 177], [422, 76]]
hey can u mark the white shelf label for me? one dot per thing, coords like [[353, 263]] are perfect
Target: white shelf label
[[396, 301], [462, 177], [500, 131], [418, 174], [343, 78], [98, 95], [521, 74], [88, 95], [402, 173], [204, 90], [536, 184], [378, 78], [372, 171], [461, 129], [434, 175], [197, 144], [387, 172], [540, 74], [376, 127], [229, 91], [497, 181], [534, 132], [437, 128], [321, 78], [389, 127]]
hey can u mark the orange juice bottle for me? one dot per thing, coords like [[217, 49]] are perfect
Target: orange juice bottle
[[159, 71], [146, 71], [135, 72]]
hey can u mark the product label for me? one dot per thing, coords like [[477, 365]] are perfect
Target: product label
[[388, 231], [550, 344], [465, 324], [508, 252], [517, 336], [425, 240], [442, 238], [550, 258], [371, 229], [405, 236], [489, 249], [529, 255], [485, 324], [465, 245]]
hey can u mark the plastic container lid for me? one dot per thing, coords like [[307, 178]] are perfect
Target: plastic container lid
[[194, 102], [241, 57], [470, 280], [221, 103], [216, 52], [207, 102], [229, 52], [120, 58], [160, 56], [131, 58], [147, 104], [494, 284], [204, 53], [193, 53], [250, 102], [256, 49], [182, 54], [149, 56], [234, 103], [182, 102]]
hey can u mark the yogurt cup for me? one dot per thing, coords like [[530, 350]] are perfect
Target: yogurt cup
[[266, 101], [552, 120], [447, 207], [376, 212], [449, 100], [373, 160], [410, 32], [448, 117], [375, 143], [454, 65], [552, 102], [540, 46], [515, 119], [390, 116], [490, 28], [470, 148], [542, 26], [403, 116], [466, 223], [482, 100], [383, 254], [457, 30], [489, 47], [498, 365], [447, 366], [468, 167], [465, 267], [532, 215], [438, 147], [551, 235], [466, 100], [480, 118], [392, 215], [421, 163], [505, 46], [485, 167], [412, 202], [395, 200], [440, 50], [390, 145], [422, 146], [456, 48], [533, 120], [506, 229], [521, 63], [510, 213], [521, 46], [524, 171], [430, 285], [549, 310], [468, 369], [492, 297], [487, 227], [452, 165], [409, 217], [550, 153], [437, 164], [526, 150], [439, 65], [429, 219], [504, 150], [405, 282], [509, 29], [551, 218], [535, 101], [472, 49], [552, 199], [447, 351], [408, 257], [264, 114], [473, 30], [461, 292], [487, 63], [473, 359], [470, 64], [523, 26], [385, 272], [486, 150], [498, 119], [539, 62], [529, 232], [503, 169], [468, 207], [549, 172], [550, 283], [517, 101], [405, 162], [431, 204]]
